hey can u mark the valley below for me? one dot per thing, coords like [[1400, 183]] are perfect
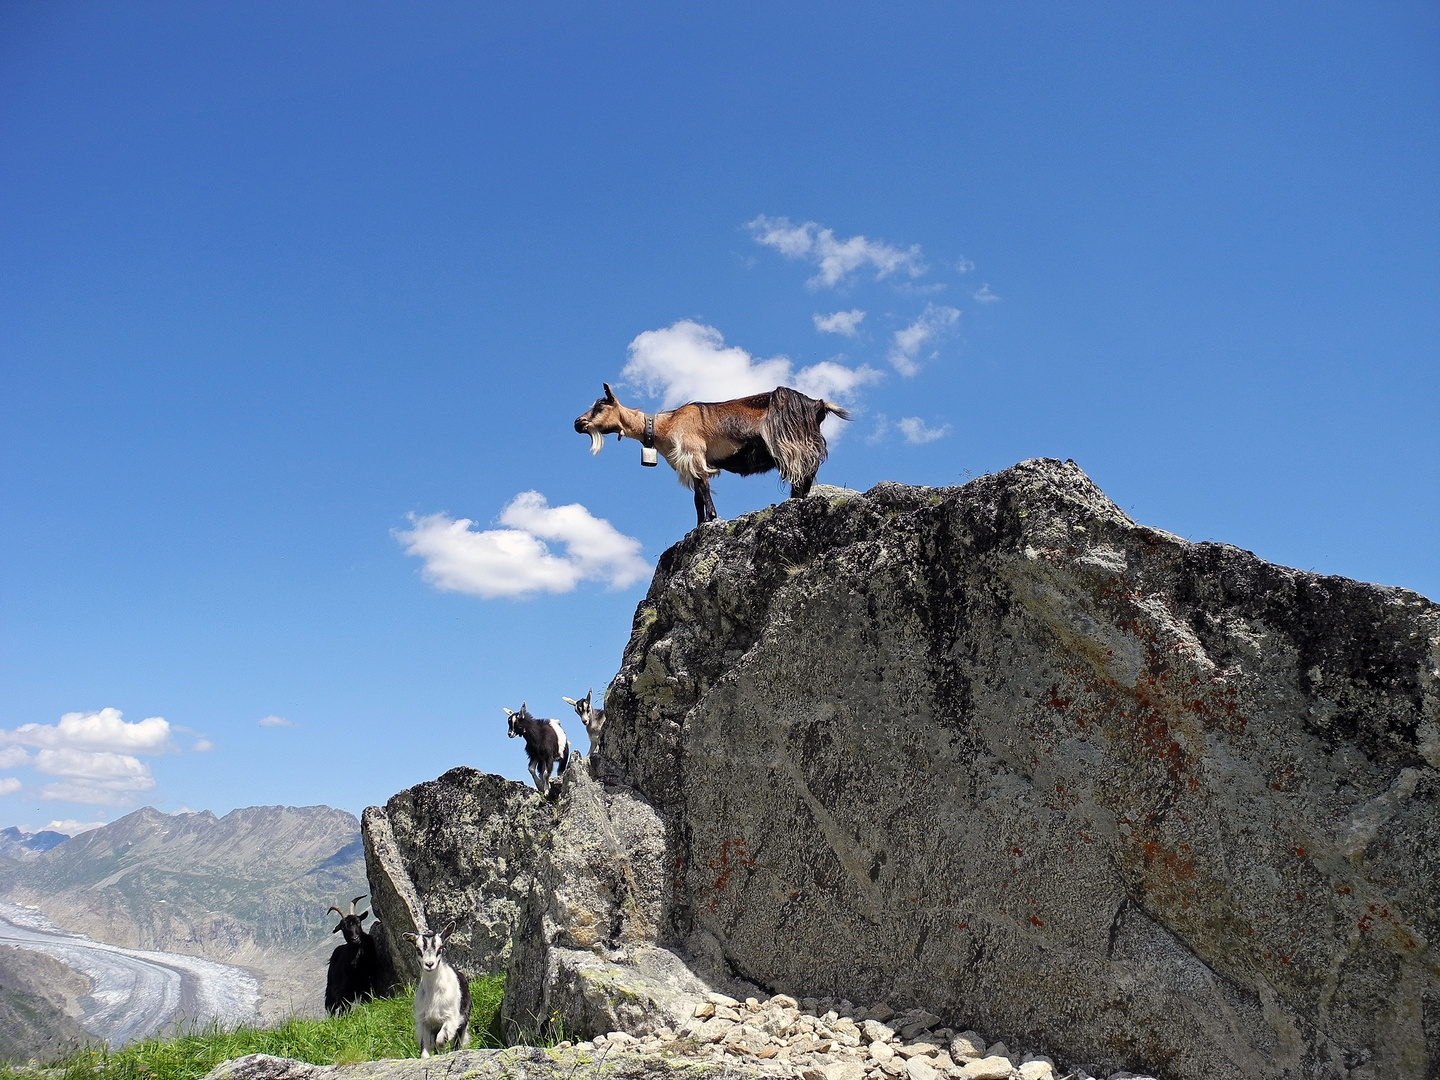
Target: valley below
[[180, 919]]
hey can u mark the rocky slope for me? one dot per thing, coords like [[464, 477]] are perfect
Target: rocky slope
[[999, 753], [248, 889], [39, 1006]]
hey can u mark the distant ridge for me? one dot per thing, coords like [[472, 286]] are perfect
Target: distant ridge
[[15, 844]]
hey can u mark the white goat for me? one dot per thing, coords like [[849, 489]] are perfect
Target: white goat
[[591, 717], [442, 998]]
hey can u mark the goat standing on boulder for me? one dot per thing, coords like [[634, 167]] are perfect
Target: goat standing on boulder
[[591, 717], [442, 997], [545, 745], [357, 971], [775, 430]]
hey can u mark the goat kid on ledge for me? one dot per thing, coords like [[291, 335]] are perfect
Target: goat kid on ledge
[[749, 435]]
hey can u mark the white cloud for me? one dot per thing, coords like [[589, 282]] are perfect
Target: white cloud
[[71, 827], [882, 428], [9, 785], [964, 265], [835, 258], [103, 730], [275, 721], [11, 756], [203, 745], [690, 362], [841, 322], [515, 561], [985, 296], [917, 434], [933, 321], [98, 778]]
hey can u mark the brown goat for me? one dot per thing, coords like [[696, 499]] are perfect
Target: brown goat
[[777, 430]]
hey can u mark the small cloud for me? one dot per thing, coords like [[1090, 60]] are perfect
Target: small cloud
[[99, 778], [933, 321], [71, 827], [917, 434], [691, 362], [203, 745], [882, 428], [985, 296], [275, 721], [515, 561], [964, 266], [841, 322], [835, 258], [102, 730], [9, 785]]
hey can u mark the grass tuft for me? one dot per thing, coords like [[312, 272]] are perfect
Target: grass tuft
[[376, 1029]]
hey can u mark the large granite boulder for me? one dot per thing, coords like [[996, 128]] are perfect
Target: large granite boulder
[[461, 847], [999, 752]]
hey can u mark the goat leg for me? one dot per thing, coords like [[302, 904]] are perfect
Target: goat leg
[[704, 504]]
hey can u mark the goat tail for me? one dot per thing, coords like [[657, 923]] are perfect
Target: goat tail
[[791, 430]]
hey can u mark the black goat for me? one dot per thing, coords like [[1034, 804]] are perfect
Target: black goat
[[545, 745], [358, 971]]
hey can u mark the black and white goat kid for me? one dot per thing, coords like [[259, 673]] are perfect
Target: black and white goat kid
[[442, 997], [545, 745], [356, 969], [591, 717]]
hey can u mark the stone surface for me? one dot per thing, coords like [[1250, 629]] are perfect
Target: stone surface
[[585, 958], [516, 1063], [1001, 753], [461, 847]]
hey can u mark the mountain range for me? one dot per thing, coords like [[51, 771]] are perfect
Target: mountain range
[[249, 889]]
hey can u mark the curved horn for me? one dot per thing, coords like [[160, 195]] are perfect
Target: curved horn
[[356, 901], [335, 909]]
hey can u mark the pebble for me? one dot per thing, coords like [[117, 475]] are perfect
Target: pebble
[[993, 1067], [968, 1044], [1036, 1070], [920, 1069]]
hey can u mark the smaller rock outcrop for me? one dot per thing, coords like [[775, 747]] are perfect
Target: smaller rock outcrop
[[460, 847]]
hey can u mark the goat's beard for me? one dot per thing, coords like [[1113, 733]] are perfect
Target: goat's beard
[[597, 442]]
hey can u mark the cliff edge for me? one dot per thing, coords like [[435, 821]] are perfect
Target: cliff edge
[[1001, 753]]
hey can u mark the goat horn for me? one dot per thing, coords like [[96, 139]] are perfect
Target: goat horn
[[356, 901], [335, 909]]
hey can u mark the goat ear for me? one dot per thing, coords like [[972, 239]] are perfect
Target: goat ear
[[445, 934], [336, 930], [588, 694], [507, 711], [569, 700], [408, 937], [609, 394], [363, 914]]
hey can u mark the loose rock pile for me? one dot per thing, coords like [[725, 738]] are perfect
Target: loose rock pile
[[822, 1039]]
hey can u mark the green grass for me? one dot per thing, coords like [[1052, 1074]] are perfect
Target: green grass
[[376, 1029]]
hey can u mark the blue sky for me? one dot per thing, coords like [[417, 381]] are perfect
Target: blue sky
[[282, 282]]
